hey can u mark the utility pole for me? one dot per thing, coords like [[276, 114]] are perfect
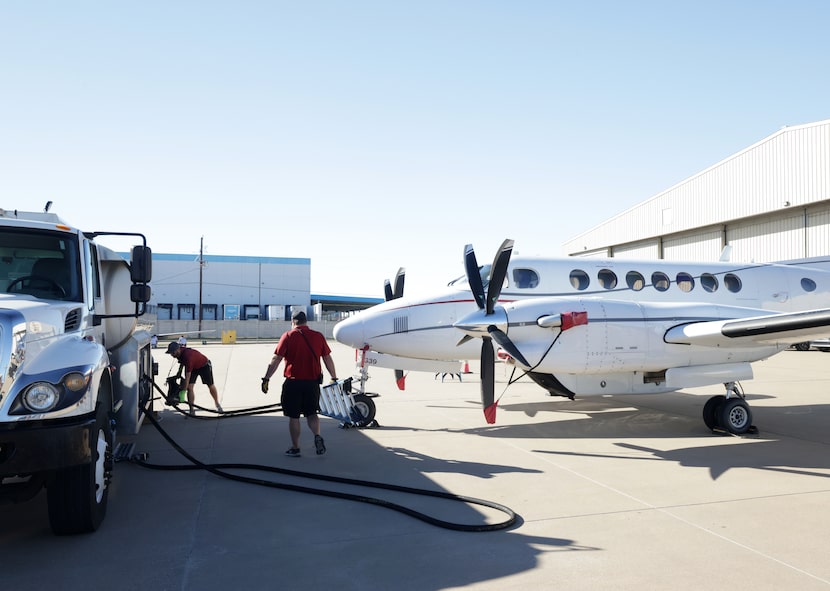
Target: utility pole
[[201, 267]]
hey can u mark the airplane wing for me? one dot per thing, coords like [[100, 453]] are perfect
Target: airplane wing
[[792, 327]]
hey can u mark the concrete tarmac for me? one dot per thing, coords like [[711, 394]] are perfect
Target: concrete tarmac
[[617, 492]]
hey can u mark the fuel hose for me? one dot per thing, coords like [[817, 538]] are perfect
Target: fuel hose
[[221, 470]]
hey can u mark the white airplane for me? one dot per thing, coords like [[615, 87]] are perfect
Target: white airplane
[[585, 326]]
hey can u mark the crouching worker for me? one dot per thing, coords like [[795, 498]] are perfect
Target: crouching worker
[[195, 365], [302, 348]]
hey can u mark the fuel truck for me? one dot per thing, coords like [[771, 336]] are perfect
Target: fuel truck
[[74, 368]]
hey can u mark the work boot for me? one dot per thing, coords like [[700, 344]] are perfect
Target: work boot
[[318, 443]]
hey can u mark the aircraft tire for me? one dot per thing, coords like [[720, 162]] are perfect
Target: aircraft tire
[[735, 416], [366, 407], [710, 411]]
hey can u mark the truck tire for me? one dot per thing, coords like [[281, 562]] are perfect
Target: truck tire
[[77, 497]]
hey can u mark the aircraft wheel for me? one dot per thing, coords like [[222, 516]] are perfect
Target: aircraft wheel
[[734, 416], [710, 411], [802, 346], [366, 407]]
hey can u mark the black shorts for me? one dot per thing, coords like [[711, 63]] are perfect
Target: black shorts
[[205, 372], [300, 397]]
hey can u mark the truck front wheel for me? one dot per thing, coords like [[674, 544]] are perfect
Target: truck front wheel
[[77, 497]]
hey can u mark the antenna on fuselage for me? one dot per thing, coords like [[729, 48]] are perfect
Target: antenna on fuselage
[[726, 254]]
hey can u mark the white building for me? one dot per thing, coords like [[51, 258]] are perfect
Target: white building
[[228, 287], [769, 202]]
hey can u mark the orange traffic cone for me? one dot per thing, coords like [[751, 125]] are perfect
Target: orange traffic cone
[[466, 367]]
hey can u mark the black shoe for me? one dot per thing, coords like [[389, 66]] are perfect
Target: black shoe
[[294, 452], [318, 443]]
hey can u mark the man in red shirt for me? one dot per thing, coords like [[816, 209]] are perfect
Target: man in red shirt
[[302, 348], [195, 365]]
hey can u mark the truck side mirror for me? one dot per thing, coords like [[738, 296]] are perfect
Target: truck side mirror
[[140, 293], [141, 266]]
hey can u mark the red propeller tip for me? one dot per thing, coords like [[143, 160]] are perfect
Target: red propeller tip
[[490, 413]]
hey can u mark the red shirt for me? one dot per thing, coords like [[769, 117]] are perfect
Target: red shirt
[[191, 359], [302, 361]]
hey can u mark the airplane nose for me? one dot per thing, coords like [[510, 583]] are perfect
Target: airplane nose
[[350, 332]]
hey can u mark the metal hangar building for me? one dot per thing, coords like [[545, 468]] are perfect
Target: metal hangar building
[[769, 202]]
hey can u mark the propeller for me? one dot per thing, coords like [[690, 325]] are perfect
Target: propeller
[[486, 325], [394, 294], [398, 290]]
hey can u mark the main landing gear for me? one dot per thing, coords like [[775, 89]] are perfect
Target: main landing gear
[[729, 413]]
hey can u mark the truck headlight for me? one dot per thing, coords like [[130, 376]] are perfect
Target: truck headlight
[[41, 397]]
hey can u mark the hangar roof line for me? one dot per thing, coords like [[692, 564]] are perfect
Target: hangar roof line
[[788, 168]]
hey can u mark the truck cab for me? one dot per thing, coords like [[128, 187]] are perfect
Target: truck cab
[[73, 366]]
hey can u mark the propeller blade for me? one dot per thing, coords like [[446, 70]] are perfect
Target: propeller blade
[[497, 274], [473, 276], [505, 343], [488, 380], [399, 279], [463, 340]]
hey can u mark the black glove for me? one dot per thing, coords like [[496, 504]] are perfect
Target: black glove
[[265, 385]]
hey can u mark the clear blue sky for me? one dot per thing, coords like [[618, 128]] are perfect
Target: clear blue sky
[[369, 135]]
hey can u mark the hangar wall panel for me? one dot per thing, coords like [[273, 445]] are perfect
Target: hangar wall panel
[[817, 233], [640, 250], [698, 246], [767, 240]]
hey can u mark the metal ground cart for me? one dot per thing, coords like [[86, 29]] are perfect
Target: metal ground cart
[[352, 409]]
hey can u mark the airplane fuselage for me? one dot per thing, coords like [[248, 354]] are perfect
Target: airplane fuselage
[[636, 317]]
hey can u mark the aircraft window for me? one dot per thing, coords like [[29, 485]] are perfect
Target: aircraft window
[[709, 282], [635, 281], [685, 282], [607, 278], [579, 279], [808, 284], [732, 282], [525, 278], [660, 281]]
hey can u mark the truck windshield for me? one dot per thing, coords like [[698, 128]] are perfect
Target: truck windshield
[[40, 263]]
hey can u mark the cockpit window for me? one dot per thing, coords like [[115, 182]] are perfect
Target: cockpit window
[[525, 278], [484, 273]]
